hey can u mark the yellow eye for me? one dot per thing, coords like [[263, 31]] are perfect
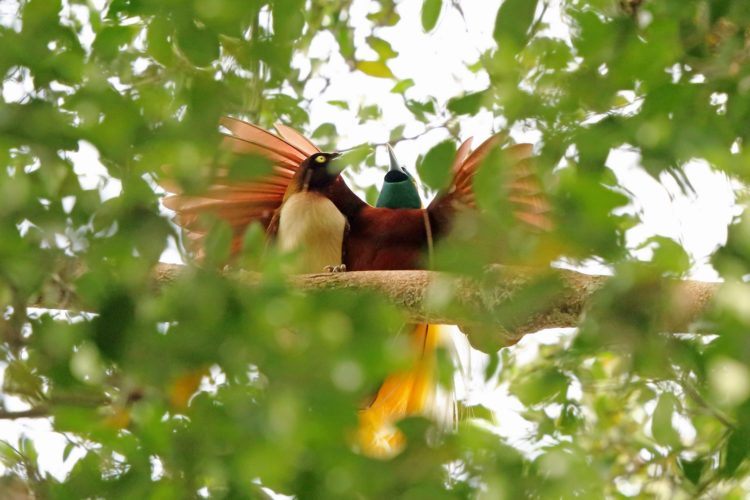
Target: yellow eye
[[320, 159]]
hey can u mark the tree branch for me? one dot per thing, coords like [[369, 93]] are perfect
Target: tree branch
[[496, 310], [36, 412]]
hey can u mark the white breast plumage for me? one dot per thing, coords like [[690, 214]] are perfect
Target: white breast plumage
[[310, 224]]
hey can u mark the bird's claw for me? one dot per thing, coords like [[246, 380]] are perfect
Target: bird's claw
[[341, 268]]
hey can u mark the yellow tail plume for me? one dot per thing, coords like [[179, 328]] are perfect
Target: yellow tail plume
[[401, 395]]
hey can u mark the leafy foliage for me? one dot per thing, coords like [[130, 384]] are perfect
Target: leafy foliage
[[222, 390]]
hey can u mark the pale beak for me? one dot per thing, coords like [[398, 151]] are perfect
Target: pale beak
[[394, 161]]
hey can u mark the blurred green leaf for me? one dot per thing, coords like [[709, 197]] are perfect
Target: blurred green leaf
[[420, 109], [339, 104], [325, 130], [111, 39], [355, 156], [661, 426], [693, 469], [736, 451], [540, 386], [669, 255], [288, 19], [200, 45], [431, 13], [513, 21], [375, 68], [402, 86], [492, 366], [382, 47], [435, 168], [468, 104], [396, 134], [159, 39]]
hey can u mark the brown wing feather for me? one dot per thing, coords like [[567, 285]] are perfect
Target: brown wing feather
[[283, 162], [465, 173], [240, 203], [254, 134], [530, 205], [299, 141], [462, 154]]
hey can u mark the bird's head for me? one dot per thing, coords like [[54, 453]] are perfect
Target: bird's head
[[399, 187], [318, 172]]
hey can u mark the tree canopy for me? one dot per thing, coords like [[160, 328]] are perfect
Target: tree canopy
[[209, 387]]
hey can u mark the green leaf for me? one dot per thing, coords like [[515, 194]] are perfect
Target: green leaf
[[371, 112], [693, 469], [468, 104], [28, 449], [325, 130], [540, 386], [435, 168], [339, 104], [112, 325], [288, 20], [287, 107], [20, 379], [431, 13], [371, 195], [492, 366], [383, 48], [420, 109], [111, 39], [514, 18], [661, 425], [345, 39], [39, 15], [377, 69], [396, 134], [387, 15], [9, 457], [668, 255], [69, 447], [479, 412], [355, 156], [199, 45], [217, 243], [445, 369], [402, 86], [248, 167], [737, 449], [159, 40]]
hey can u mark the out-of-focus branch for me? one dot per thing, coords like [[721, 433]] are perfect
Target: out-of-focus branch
[[496, 310], [36, 412]]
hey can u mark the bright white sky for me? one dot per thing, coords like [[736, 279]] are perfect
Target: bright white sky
[[436, 62]]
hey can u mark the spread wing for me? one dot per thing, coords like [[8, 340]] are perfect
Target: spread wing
[[525, 194], [237, 202], [296, 139]]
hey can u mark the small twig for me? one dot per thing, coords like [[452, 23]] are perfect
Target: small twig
[[457, 6], [374, 145], [698, 399], [35, 412], [537, 24], [45, 409]]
